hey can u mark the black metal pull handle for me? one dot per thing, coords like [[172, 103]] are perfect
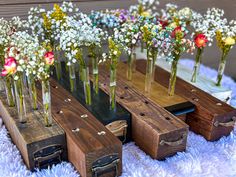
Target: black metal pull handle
[[106, 164], [174, 143], [226, 124], [46, 156]]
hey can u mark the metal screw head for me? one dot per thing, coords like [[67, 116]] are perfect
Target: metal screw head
[[84, 116], [101, 133], [75, 130]]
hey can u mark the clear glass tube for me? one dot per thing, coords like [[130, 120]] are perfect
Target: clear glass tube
[[221, 68], [32, 91], [46, 93], [20, 99], [72, 77], [173, 74], [113, 88], [197, 65], [9, 91], [95, 74], [87, 88]]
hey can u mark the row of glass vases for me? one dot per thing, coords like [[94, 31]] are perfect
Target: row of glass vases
[[16, 92]]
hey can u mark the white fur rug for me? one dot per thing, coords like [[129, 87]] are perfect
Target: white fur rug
[[201, 159]]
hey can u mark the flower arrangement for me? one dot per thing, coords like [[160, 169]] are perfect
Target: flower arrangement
[[73, 39], [113, 58], [7, 29], [226, 39], [157, 40], [179, 44], [128, 36], [205, 27]]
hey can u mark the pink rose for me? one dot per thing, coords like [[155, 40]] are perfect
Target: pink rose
[[9, 66], [49, 58]]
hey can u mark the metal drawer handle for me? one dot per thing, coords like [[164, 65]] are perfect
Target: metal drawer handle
[[45, 155], [174, 143], [105, 163], [118, 128], [226, 124]]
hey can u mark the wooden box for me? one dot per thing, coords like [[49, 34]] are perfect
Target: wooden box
[[212, 118], [154, 130], [92, 148], [176, 104], [118, 121], [39, 146]]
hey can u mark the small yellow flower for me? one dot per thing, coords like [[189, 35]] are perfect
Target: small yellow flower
[[173, 25], [145, 14], [229, 41]]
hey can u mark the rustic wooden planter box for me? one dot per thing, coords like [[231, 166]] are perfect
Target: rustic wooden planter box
[[92, 148], [39, 146], [212, 118], [176, 104], [118, 121], [154, 130]]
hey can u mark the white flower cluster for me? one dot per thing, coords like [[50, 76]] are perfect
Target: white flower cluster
[[144, 5], [78, 35], [127, 35], [104, 19], [57, 20], [209, 23], [169, 11], [229, 30], [35, 22], [7, 28], [29, 55]]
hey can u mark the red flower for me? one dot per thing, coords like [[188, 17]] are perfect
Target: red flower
[[49, 58], [200, 40], [164, 23], [177, 33], [9, 66]]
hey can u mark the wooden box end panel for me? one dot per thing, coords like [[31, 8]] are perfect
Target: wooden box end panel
[[221, 125], [84, 161], [158, 145], [39, 146]]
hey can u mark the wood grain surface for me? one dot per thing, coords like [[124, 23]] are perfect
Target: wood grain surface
[[209, 109], [151, 124], [87, 139], [32, 136]]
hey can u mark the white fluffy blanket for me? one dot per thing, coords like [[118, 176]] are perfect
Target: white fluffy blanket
[[201, 159]]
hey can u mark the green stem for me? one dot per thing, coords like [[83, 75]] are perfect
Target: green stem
[[173, 75], [130, 68], [197, 65], [134, 61], [58, 69], [221, 68], [9, 91], [72, 77], [149, 69], [87, 88], [47, 103], [20, 103], [33, 91], [113, 88], [95, 74]]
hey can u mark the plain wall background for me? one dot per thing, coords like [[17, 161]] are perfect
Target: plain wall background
[[9, 8]]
